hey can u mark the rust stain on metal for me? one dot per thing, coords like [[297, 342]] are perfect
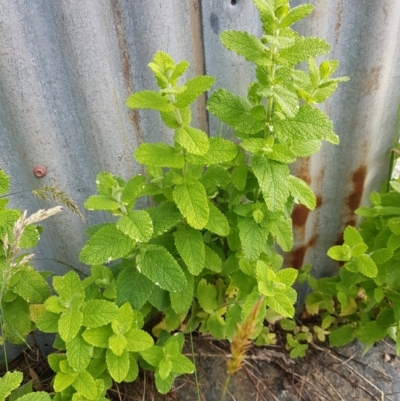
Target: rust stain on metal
[[371, 80], [300, 215], [318, 201], [198, 57], [338, 23], [123, 48], [303, 170], [354, 199], [296, 257]]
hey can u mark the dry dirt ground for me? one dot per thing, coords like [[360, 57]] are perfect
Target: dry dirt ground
[[325, 374]]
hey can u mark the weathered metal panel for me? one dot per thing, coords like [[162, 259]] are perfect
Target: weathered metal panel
[[67, 67]]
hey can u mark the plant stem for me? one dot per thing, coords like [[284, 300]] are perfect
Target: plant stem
[[270, 98], [225, 388], [392, 155]]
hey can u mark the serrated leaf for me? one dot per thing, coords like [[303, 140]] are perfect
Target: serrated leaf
[[221, 150], [69, 286], [217, 222], [216, 326], [234, 111], [164, 217], [239, 177], [31, 286], [272, 177], [281, 303], [232, 319], [303, 49], [342, 336], [16, 315], [99, 312], [137, 224], [133, 370], [182, 300], [159, 155], [382, 255], [79, 353], [101, 202], [11, 380], [340, 252], [64, 380], [164, 385], [157, 264], [138, 340], [194, 140], [181, 364], [86, 385], [253, 237], [300, 190], [190, 246], [194, 88], [308, 124], [4, 182], [395, 185], [287, 100], [352, 237], [366, 266], [69, 324], [287, 276], [107, 243], [281, 229], [302, 148], [192, 202], [132, 188], [281, 153], [212, 260], [98, 336], [246, 45], [207, 296], [169, 118], [48, 322], [371, 332], [215, 176], [36, 396], [149, 100], [164, 368], [117, 343], [296, 14], [118, 366]]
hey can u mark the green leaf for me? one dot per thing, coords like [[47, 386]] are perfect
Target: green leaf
[[300, 190], [157, 264], [149, 100], [296, 14], [36, 396], [181, 364], [159, 155], [164, 385], [153, 355], [69, 286], [239, 177], [207, 296], [86, 385], [340, 252], [281, 303], [308, 124], [164, 368], [212, 261], [99, 312], [192, 202], [395, 185], [64, 380], [287, 100], [221, 150], [4, 182], [118, 366], [287, 276], [79, 353], [11, 380], [252, 236], [371, 332], [194, 88], [133, 370], [303, 49], [101, 202], [246, 45], [48, 322], [194, 140], [31, 286], [16, 315], [133, 287], [117, 343], [217, 222], [182, 300], [108, 243], [216, 326], [98, 336], [132, 188], [352, 237], [69, 324], [232, 319], [164, 217], [366, 266], [381, 255], [190, 246], [138, 340], [234, 111], [215, 176], [137, 224], [273, 178], [282, 230]]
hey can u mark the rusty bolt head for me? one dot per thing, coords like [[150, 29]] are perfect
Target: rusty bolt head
[[39, 171]]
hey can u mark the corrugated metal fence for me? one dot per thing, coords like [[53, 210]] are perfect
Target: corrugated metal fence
[[67, 67]]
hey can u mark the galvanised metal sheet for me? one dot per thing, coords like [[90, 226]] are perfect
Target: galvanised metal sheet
[[67, 67]]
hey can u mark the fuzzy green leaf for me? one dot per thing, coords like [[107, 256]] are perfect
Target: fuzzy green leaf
[[217, 222], [157, 264], [36, 396], [164, 385], [303, 49], [282, 230], [287, 276], [252, 236], [85, 385], [273, 178], [137, 224], [182, 300], [101, 202], [4, 182], [352, 237], [371, 332], [342, 336], [221, 150], [69, 324], [296, 14], [192, 202], [239, 177], [216, 326], [117, 343], [16, 315], [108, 243], [194, 140], [181, 364], [118, 366], [31, 286], [132, 188], [149, 100], [287, 100], [212, 261], [138, 340], [281, 303], [98, 336], [99, 312], [190, 246], [215, 176], [11, 380], [194, 88], [300, 190], [246, 45], [366, 266], [159, 155], [207, 296], [48, 322], [164, 217], [308, 124], [234, 111], [64, 380], [79, 353], [340, 252], [133, 287]]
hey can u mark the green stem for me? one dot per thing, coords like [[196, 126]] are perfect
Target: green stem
[[392, 154], [270, 99], [225, 388]]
